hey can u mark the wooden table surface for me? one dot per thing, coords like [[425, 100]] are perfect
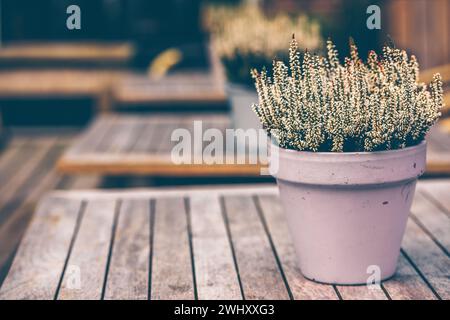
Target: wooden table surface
[[141, 145], [204, 243]]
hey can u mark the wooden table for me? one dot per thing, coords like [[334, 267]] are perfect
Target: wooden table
[[182, 88], [58, 83], [141, 145], [121, 89], [205, 243]]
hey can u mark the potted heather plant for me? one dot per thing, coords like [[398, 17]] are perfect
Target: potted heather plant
[[245, 37], [350, 146]]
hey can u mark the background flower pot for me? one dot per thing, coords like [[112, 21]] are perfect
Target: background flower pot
[[348, 211], [241, 99]]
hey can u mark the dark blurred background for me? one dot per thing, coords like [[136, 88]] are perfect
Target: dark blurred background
[[151, 27], [419, 25]]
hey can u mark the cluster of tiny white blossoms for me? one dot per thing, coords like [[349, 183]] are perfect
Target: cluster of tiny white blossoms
[[319, 104], [244, 36]]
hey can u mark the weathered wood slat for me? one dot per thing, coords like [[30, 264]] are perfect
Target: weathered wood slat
[[92, 137], [216, 275], [129, 266], [39, 262], [89, 256], [121, 135], [439, 193], [407, 284], [301, 288], [257, 267], [8, 160], [361, 293], [15, 214], [108, 141], [144, 141], [7, 191], [163, 144], [428, 258], [84, 182], [171, 261], [129, 135]]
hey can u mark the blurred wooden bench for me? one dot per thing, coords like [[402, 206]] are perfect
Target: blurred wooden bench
[[59, 70], [26, 54], [188, 88], [37, 70], [205, 89], [58, 83], [205, 243], [141, 145]]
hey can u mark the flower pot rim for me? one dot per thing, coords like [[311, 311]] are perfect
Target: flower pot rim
[[348, 169]]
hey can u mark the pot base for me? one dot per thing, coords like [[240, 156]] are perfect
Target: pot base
[[360, 284]]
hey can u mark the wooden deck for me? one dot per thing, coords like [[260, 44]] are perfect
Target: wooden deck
[[209, 243], [141, 145]]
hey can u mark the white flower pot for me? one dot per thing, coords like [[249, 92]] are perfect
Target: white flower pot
[[347, 212], [241, 99]]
